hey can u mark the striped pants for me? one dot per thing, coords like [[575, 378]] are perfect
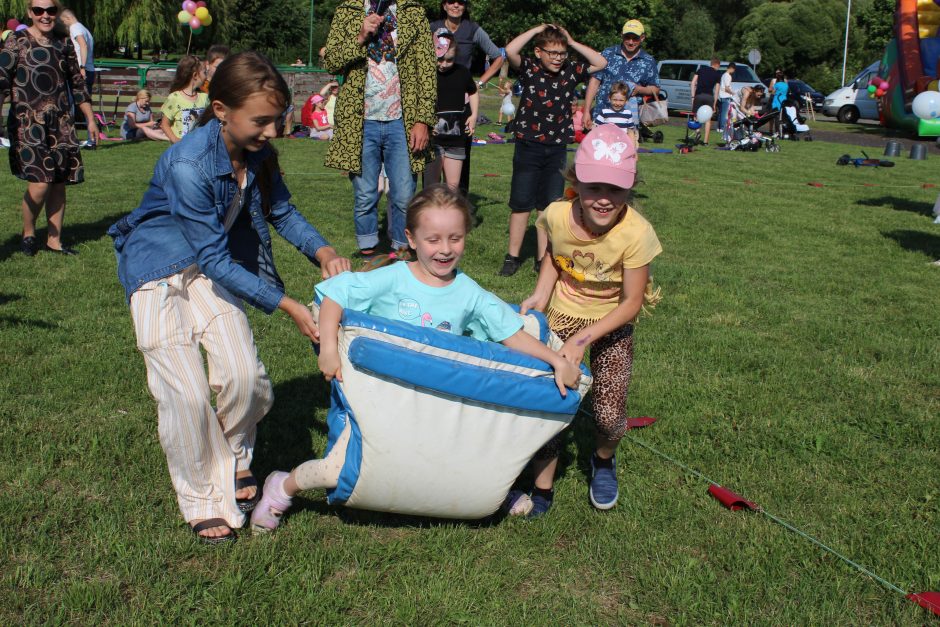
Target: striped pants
[[204, 446]]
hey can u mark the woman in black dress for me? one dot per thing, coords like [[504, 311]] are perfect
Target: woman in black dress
[[38, 68]]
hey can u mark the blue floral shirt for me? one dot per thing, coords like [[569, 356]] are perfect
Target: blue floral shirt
[[641, 69]]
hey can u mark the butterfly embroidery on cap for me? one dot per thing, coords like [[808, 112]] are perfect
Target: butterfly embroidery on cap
[[603, 150]]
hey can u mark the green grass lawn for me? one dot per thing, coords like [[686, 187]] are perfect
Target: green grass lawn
[[794, 358]]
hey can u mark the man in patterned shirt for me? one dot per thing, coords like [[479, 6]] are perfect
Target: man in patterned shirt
[[544, 127], [627, 62]]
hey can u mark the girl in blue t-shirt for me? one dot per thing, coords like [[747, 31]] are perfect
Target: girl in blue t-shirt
[[429, 291]]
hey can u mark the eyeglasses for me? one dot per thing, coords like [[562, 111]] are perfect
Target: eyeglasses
[[555, 54], [40, 11]]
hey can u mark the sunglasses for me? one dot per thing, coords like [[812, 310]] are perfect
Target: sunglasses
[[40, 11]]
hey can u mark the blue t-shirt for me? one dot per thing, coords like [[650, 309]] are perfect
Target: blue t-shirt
[[393, 292]]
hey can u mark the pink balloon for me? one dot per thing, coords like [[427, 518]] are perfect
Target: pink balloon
[[12, 23], [195, 23], [20, 27], [885, 85], [201, 3], [189, 6]]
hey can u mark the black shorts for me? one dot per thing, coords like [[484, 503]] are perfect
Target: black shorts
[[703, 99], [537, 175]]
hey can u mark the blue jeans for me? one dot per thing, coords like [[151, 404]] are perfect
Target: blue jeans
[[382, 143], [723, 105]]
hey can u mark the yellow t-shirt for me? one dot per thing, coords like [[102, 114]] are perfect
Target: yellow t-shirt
[[182, 112], [591, 271]]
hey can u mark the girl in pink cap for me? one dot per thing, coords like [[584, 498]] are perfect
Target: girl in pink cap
[[592, 293]]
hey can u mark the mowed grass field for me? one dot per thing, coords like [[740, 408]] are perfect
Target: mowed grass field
[[794, 359]]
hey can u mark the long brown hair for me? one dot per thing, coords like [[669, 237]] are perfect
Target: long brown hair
[[237, 78], [185, 70]]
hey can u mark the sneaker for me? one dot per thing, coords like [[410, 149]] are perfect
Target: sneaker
[[603, 492], [510, 265], [517, 503], [273, 504], [540, 503], [29, 246]]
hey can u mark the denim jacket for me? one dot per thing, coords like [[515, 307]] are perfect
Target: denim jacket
[[180, 222]]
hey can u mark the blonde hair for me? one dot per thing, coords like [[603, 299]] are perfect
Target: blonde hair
[[143, 93], [437, 197]]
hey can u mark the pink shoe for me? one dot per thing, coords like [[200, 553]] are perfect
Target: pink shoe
[[273, 504]]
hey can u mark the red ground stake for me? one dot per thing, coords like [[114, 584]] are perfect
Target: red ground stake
[[731, 500], [927, 600], [814, 184], [490, 175], [640, 422]]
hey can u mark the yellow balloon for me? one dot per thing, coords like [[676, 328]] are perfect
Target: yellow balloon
[[202, 13], [207, 20], [183, 17]]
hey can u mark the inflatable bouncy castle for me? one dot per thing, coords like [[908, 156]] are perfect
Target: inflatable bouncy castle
[[910, 65]]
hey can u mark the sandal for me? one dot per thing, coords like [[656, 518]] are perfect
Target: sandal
[[209, 523], [246, 505], [264, 518]]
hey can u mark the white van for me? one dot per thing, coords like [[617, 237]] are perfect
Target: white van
[[852, 102], [675, 77]]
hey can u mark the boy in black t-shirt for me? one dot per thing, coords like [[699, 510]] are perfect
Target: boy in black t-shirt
[[455, 86], [543, 126], [705, 89]]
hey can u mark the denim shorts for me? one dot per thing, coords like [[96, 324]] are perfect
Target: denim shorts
[[537, 175], [458, 153]]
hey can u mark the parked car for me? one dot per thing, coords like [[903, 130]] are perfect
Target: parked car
[[675, 77], [851, 102]]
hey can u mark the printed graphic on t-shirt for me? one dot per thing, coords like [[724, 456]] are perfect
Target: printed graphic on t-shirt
[[582, 266], [409, 309], [189, 117], [449, 124]]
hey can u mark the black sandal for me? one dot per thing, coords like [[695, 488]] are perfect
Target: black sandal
[[209, 524], [246, 505]]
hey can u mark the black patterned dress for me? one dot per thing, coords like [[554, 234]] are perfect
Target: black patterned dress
[[43, 146]]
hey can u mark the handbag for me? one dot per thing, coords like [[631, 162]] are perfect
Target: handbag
[[655, 112]]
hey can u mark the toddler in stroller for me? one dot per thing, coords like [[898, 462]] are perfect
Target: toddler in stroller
[[792, 124]]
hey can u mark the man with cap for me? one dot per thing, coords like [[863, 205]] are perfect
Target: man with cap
[[627, 62]]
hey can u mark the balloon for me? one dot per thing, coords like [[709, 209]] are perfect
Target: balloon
[[704, 114], [202, 13], [880, 93], [872, 89], [508, 108], [12, 23], [20, 27], [189, 6], [207, 20], [5, 34], [183, 17], [195, 23], [197, 31], [201, 3], [926, 105]]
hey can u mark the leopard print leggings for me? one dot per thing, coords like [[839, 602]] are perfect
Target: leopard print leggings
[[611, 365]]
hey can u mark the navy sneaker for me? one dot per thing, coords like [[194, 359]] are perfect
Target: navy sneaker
[[603, 492], [541, 502]]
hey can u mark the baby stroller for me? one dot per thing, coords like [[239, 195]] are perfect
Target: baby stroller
[[744, 132], [793, 125]]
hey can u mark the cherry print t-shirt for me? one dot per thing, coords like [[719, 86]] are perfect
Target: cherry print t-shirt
[[545, 106]]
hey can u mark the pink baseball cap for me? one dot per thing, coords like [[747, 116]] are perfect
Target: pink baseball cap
[[606, 155], [316, 98]]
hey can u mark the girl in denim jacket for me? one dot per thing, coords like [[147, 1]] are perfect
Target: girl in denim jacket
[[196, 247]]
